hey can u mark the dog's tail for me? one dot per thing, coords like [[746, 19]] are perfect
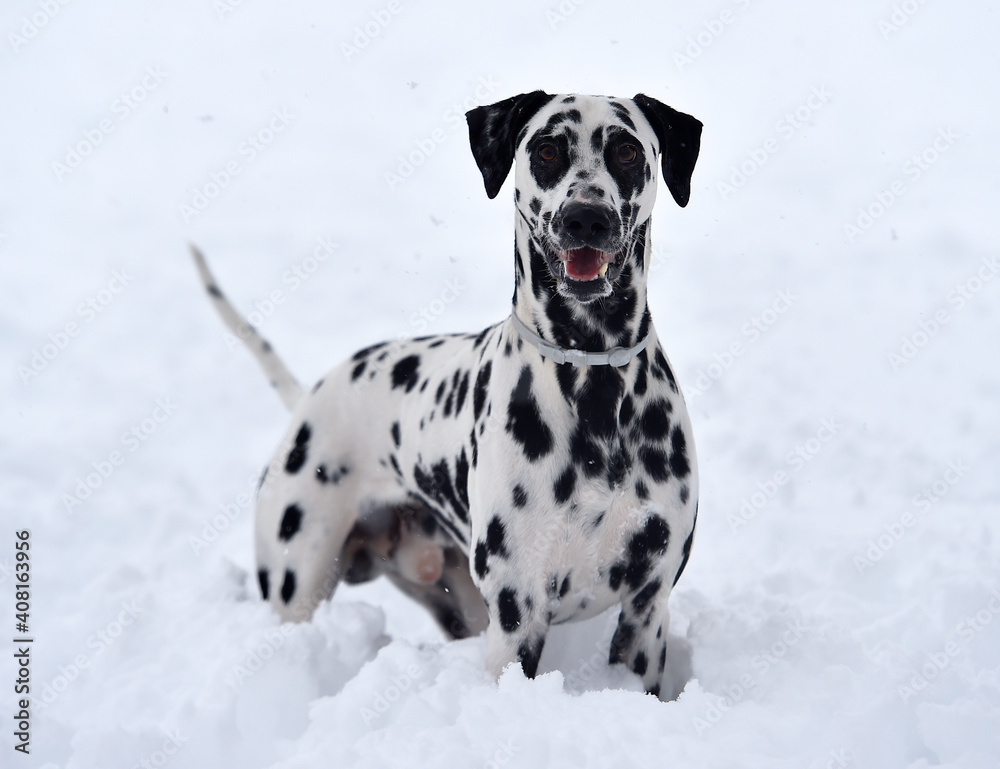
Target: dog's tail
[[282, 380]]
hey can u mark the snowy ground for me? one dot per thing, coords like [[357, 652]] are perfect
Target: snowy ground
[[830, 300]]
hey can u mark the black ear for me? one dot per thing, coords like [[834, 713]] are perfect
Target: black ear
[[493, 132], [680, 139]]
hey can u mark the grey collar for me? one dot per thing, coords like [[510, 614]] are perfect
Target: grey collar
[[617, 356]]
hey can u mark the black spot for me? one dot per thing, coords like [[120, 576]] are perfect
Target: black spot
[[463, 390], [436, 343], [264, 580], [678, 453], [263, 477], [291, 521], [448, 403], [395, 465], [564, 485], [495, 536], [684, 494], [404, 373], [686, 553], [482, 335], [663, 655], [440, 392], [317, 385], [480, 559], [655, 420], [529, 654], [358, 370], [615, 576], [586, 453], [564, 587], [626, 411], [618, 464], [482, 383], [640, 664], [520, 496], [362, 354], [566, 377], [597, 404], [288, 586], [524, 422], [214, 290], [662, 369], [652, 540], [621, 642], [641, 373], [644, 596], [535, 205], [510, 614], [396, 438], [438, 486], [297, 456], [654, 459], [597, 139], [462, 478], [641, 491]]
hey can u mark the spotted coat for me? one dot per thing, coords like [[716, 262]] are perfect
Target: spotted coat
[[569, 489]]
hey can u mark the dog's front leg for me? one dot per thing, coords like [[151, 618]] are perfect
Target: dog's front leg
[[640, 641], [517, 629]]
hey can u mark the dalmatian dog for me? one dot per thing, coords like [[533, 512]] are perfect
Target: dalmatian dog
[[552, 451]]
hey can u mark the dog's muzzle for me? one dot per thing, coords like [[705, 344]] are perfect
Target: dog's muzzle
[[588, 249]]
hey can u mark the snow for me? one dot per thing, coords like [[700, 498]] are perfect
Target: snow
[[842, 603]]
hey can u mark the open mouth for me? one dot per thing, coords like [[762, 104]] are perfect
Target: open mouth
[[586, 263]]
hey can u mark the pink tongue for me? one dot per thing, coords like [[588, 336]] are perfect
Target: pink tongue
[[583, 263]]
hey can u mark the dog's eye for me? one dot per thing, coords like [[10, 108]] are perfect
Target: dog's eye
[[627, 153], [546, 152]]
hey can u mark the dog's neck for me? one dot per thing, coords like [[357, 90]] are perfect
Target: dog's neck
[[618, 320]]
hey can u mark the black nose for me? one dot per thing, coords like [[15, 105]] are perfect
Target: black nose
[[586, 223]]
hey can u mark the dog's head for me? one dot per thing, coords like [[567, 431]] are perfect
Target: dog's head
[[585, 175]]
